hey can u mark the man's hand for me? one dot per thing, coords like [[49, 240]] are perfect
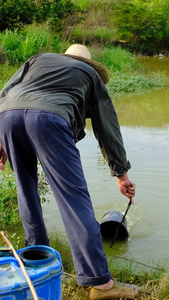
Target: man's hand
[[3, 158], [126, 187]]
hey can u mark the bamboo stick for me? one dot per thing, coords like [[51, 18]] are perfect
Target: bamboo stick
[[22, 267]]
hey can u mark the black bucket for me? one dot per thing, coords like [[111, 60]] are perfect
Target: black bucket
[[110, 222]]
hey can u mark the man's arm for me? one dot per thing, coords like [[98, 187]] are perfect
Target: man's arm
[[107, 131]]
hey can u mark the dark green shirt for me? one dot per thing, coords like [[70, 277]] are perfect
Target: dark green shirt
[[73, 90]]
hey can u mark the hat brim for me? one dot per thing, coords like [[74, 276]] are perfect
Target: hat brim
[[100, 68]]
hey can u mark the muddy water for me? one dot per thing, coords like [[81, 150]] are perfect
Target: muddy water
[[144, 120]]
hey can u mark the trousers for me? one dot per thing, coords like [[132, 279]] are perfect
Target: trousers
[[31, 135]]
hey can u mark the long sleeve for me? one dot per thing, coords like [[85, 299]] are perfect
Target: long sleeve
[[107, 131], [16, 78]]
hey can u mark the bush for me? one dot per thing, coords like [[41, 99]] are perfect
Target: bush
[[143, 24], [55, 12], [15, 13]]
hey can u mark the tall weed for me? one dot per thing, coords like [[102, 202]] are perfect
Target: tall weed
[[6, 72], [12, 43], [116, 59], [84, 4], [19, 46]]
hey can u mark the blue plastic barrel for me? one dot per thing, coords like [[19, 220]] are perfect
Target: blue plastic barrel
[[44, 267]]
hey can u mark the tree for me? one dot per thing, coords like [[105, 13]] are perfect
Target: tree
[[143, 24]]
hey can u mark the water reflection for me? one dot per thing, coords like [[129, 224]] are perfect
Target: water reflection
[[150, 109], [144, 120], [157, 64]]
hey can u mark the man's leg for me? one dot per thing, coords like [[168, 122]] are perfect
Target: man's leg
[[53, 140], [23, 161]]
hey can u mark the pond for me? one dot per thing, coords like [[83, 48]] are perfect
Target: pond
[[144, 120]]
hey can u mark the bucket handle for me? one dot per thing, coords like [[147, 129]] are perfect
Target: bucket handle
[[118, 227]]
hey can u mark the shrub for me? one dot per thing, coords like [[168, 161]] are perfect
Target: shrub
[[56, 11], [143, 24], [15, 13]]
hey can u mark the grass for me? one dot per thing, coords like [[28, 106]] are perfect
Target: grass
[[6, 72], [57, 242], [10, 222], [31, 40], [157, 289], [97, 24], [121, 84]]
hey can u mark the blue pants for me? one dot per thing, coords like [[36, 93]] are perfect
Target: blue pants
[[30, 134]]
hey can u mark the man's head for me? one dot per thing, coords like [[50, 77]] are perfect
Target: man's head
[[80, 52]]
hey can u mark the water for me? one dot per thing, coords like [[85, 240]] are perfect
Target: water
[[144, 120]]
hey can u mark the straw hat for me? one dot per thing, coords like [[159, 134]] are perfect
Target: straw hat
[[80, 52]]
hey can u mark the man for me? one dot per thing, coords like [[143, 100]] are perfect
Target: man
[[43, 109]]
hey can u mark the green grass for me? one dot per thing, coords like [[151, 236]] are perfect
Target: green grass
[[6, 72], [117, 59], [84, 4], [33, 39], [10, 222], [98, 35], [121, 84], [59, 243]]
